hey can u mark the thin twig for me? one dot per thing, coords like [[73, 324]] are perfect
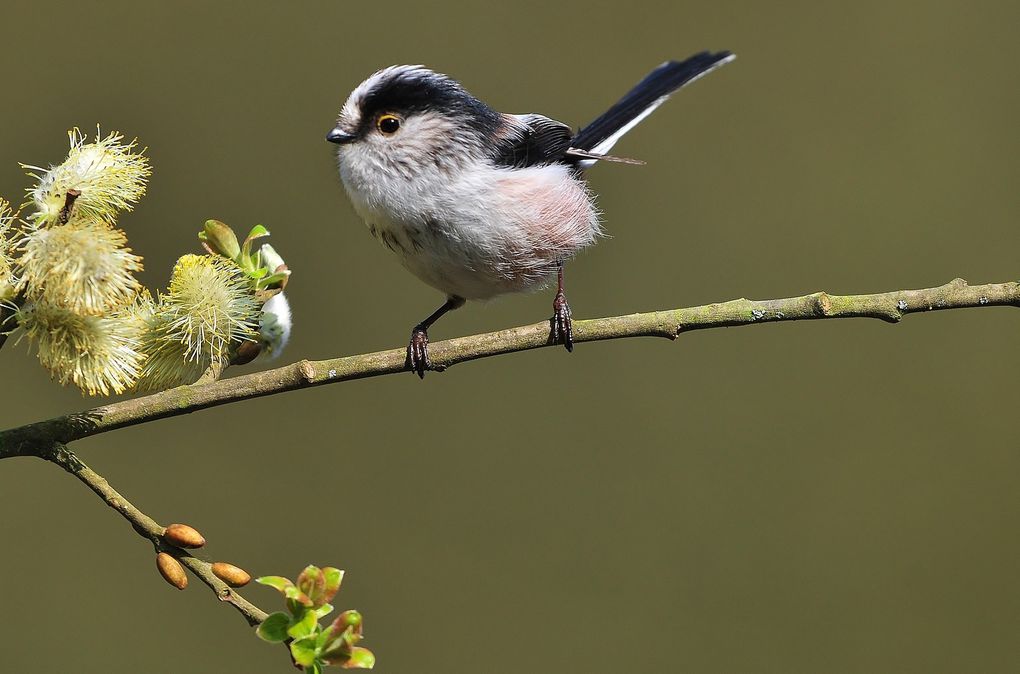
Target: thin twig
[[148, 528], [890, 307]]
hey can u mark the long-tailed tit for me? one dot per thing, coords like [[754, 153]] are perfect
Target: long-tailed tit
[[477, 203]]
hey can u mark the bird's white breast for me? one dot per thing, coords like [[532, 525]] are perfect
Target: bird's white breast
[[476, 230]]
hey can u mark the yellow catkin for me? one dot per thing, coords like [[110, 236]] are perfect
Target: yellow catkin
[[98, 354], [108, 175], [7, 280], [209, 307], [83, 266]]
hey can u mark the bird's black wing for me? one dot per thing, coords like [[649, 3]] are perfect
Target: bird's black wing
[[530, 140]]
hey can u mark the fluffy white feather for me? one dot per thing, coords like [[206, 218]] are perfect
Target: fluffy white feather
[[275, 326]]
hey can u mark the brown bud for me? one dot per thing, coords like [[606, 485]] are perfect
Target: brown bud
[[245, 353], [231, 575], [183, 536], [171, 570]]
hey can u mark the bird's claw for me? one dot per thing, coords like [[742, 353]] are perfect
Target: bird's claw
[[562, 326], [418, 352]]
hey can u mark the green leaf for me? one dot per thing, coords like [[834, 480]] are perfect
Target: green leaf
[[338, 648], [343, 633], [256, 232], [304, 627], [297, 608], [308, 577], [358, 658], [350, 618], [274, 628], [297, 595], [303, 651], [321, 639], [313, 583], [361, 658], [337, 627], [335, 656], [278, 582], [246, 260], [220, 238], [314, 668], [279, 279], [332, 575], [323, 610]]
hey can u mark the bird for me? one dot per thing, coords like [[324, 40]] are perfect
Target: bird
[[477, 203]]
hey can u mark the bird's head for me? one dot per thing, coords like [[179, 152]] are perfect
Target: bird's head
[[406, 119]]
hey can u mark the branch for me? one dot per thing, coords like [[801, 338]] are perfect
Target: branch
[[148, 528], [890, 307]]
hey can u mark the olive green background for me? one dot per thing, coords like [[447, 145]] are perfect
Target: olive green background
[[833, 496]]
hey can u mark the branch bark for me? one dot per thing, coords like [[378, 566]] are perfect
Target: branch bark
[[47, 439], [148, 528], [889, 306]]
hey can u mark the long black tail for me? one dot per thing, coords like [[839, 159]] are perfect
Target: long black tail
[[650, 93]]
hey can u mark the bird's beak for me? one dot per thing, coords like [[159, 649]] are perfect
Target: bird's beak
[[340, 137]]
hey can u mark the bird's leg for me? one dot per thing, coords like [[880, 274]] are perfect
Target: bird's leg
[[418, 350], [562, 328]]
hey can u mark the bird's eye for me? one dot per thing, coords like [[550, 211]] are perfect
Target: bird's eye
[[388, 124]]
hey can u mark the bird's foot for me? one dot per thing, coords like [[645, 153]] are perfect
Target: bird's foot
[[562, 327], [418, 351]]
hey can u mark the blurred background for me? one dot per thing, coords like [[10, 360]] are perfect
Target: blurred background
[[826, 496]]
